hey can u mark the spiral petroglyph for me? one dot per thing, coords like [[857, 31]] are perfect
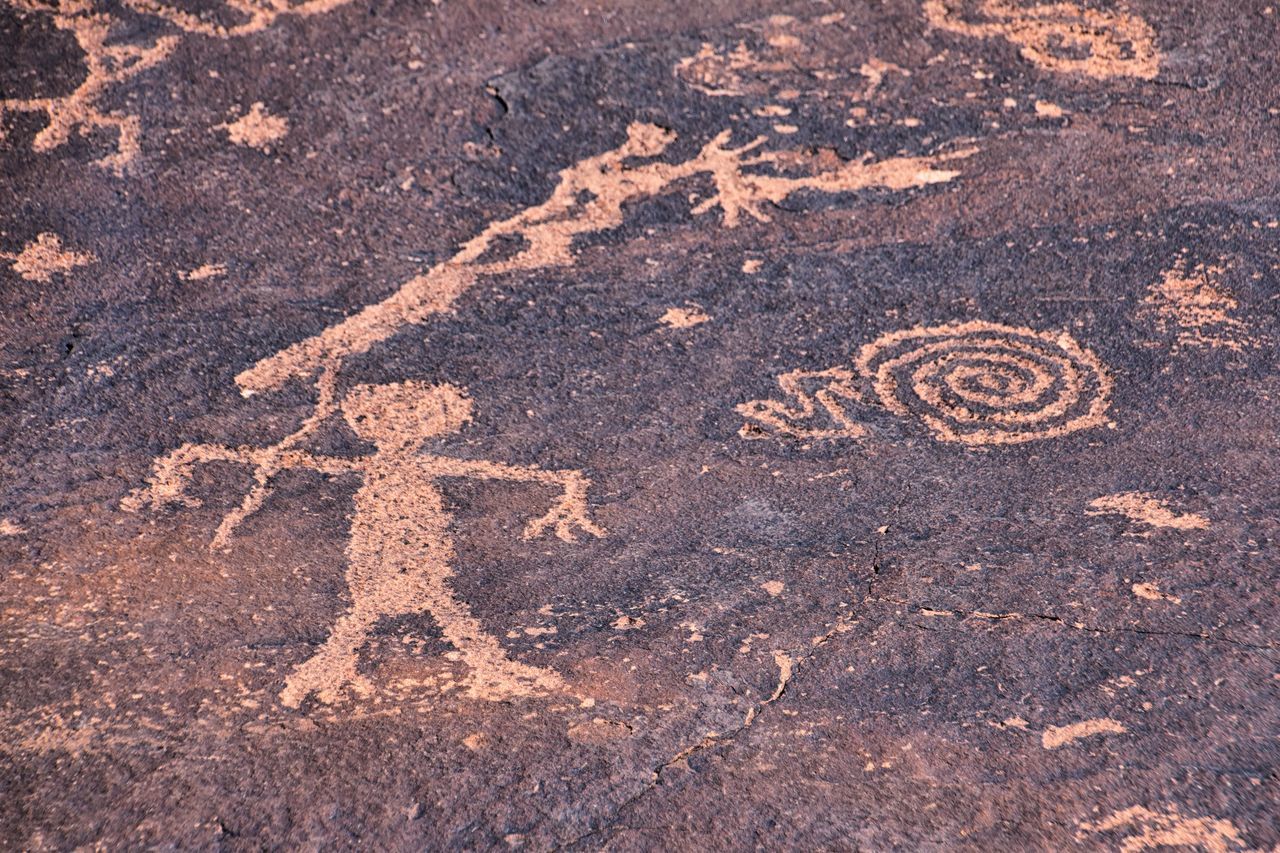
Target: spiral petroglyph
[[985, 383]]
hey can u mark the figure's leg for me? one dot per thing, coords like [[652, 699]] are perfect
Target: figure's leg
[[493, 675], [333, 668]]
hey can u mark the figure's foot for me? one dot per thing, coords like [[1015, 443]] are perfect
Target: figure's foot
[[509, 679], [327, 678]]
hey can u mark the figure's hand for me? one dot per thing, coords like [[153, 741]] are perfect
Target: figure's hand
[[167, 482], [569, 513]]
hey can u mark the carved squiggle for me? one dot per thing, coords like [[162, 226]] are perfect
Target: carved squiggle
[[778, 418]]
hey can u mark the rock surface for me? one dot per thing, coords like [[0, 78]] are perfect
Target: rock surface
[[634, 425]]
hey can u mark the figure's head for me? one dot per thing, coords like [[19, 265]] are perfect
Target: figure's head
[[405, 414]]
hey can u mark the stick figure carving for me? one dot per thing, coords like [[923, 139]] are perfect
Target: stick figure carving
[[400, 551]]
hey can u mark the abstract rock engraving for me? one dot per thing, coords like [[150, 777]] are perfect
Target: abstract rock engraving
[[975, 383], [256, 129], [1056, 737], [44, 257], [108, 63], [1195, 306], [1143, 508], [1151, 830], [786, 51], [985, 383], [1061, 37], [400, 551]]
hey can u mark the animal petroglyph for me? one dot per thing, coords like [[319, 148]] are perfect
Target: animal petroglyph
[[1151, 830], [1194, 305], [108, 63], [772, 416], [985, 383], [400, 552], [44, 257], [1146, 509], [590, 197], [1061, 37], [974, 383]]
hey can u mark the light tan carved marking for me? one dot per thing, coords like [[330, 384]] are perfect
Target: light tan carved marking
[[874, 70], [1151, 592], [109, 62], [985, 383], [1149, 830], [400, 552], [203, 272], [44, 257], [1059, 736], [1146, 509], [256, 129], [1061, 37], [254, 15], [8, 527], [772, 416], [774, 588], [1195, 305], [683, 318], [607, 182], [785, 57]]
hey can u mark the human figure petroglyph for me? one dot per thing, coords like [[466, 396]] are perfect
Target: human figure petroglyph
[[109, 63], [1061, 37], [974, 383], [400, 551]]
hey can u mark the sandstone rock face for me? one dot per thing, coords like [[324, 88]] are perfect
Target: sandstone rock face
[[639, 425]]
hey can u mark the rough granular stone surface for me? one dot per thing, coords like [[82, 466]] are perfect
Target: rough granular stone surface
[[639, 425]]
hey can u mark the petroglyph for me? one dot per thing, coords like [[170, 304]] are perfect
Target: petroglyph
[[1146, 509], [1150, 830], [1055, 737], [1151, 592], [109, 63], [1194, 305], [982, 383], [683, 317], [1061, 37], [974, 383], [400, 552], [245, 16], [783, 57], [44, 257], [772, 416], [590, 197], [256, 129]]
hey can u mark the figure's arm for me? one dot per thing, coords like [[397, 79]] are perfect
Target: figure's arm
[[170, 474], [568, 513]]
